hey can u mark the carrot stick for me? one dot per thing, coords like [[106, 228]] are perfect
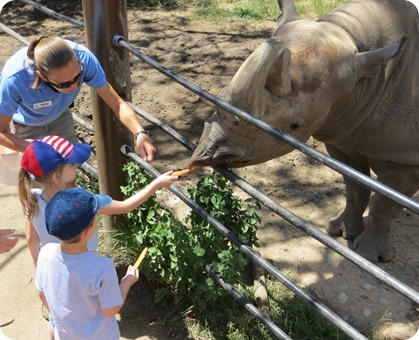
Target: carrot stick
[[180, 172], [185, 171], [140, 258]]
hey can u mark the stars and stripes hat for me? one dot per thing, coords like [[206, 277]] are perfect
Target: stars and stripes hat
[[71, 211], [44, 154]]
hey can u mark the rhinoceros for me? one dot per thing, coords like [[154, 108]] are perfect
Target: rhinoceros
[[350, 79]]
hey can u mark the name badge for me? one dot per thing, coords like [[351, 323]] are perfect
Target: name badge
[[42, 104]]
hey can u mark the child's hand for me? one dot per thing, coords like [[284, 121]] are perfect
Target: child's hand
[[7, 243], [131, 276], [165, 180]]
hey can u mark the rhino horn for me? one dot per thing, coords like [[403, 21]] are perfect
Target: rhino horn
[[289, 12], [368, 63], [246, 89], [279, 79]]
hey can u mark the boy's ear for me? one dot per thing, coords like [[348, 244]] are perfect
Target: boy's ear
[[85, 233], [89, 228]]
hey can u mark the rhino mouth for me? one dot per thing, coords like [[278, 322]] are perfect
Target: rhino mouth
[[224, 156]]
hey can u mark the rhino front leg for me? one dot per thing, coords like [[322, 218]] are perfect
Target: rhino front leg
[[375, 242], [349, 223]]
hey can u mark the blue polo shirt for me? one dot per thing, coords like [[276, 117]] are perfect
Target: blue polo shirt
[[42, 106]]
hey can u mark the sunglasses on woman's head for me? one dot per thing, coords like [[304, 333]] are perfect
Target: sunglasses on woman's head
[[68, 84]]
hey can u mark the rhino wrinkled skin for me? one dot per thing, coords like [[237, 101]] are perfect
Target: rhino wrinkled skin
[[349, 79]]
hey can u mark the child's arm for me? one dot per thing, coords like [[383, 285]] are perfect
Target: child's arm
[[128, 205], [126, 282], [33, 240], [43, 299]]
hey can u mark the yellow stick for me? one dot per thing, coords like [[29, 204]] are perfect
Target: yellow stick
[[140, 258]]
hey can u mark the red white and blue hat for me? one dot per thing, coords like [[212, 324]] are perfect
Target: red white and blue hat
[[46, 153]]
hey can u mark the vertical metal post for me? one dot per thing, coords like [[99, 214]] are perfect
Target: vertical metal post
[[103, 19]]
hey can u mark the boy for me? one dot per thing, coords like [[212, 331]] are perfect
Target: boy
[[79, 287]]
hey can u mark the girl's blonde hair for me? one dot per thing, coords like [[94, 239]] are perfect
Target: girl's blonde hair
[[27, 199], [48, 54]]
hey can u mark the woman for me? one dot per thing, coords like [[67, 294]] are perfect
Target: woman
[[39, 83]]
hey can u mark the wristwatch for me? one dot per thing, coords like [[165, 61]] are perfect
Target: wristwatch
[[140, 132]]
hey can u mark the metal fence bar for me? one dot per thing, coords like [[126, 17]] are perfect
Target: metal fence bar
[[328, 161], [247, 304], [82, 122], [48, 11], [322, 309], [14, 34], [166, 128], [340, 167], [93, 171], [295, 220]]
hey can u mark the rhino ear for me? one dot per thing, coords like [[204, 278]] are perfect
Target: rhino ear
[[368, 63], [279, 79], [289, 12]]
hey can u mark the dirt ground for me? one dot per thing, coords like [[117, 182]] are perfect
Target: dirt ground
[[208, 55]]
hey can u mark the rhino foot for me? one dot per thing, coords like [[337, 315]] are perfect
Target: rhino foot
[[374, 248], [335, 226], [349, 228]]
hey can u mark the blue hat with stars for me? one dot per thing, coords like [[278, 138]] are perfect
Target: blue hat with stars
[[71, 211]]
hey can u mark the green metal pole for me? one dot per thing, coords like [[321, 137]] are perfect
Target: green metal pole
[[103, 19]]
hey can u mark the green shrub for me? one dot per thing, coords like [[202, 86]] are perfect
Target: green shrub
[[245, 12], [179, 251]]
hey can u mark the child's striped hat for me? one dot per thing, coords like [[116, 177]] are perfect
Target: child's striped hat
[[46, 153]]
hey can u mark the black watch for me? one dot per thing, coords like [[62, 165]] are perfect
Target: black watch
[[140, 132]]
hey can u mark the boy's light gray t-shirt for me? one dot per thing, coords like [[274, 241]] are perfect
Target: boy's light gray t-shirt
[[77, 288]]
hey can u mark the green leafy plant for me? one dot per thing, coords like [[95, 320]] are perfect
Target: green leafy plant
[[179, 250], [215, 195], [245, 12]]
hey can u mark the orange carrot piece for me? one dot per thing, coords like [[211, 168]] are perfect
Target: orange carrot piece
[[180, 172], [185, 171], [140, 258]]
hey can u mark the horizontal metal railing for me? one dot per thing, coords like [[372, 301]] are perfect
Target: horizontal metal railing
[[255, 257], [332, 163]]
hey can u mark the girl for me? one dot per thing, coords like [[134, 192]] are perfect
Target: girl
[[52, 162]]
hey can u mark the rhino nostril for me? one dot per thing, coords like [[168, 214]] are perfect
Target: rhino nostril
[[294, 126]]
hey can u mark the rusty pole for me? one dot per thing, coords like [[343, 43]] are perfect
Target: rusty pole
[[103, 19]]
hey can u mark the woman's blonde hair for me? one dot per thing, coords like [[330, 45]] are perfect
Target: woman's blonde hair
[[47, 54], [27, 199]]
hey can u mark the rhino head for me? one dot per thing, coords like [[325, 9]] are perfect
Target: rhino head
[[300, 81]]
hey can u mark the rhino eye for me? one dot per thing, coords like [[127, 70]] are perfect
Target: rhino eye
[[294, 126]]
